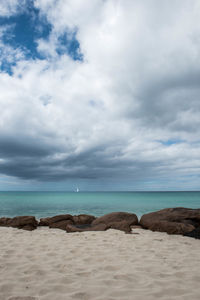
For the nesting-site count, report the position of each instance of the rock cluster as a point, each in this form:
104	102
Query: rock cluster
116	220
61	221
177	220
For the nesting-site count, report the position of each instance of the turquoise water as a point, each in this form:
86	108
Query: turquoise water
42	204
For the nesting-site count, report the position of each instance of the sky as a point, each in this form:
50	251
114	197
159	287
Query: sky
99	94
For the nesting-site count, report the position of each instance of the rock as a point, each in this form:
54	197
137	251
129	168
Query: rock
177	220
28	227
116	220
23	222
59	221
130	219
4	221
44	222
171	227
123	226
194	233
72	228
76	228
83	219
61	224
100	227
59	218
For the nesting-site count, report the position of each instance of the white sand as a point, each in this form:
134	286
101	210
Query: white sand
51	264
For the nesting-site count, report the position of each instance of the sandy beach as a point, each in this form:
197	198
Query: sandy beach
55	265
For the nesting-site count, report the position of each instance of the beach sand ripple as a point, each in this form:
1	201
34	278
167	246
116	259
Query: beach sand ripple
50	264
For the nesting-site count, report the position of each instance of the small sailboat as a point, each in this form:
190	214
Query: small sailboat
77	189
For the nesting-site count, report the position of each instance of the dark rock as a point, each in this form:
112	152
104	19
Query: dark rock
123	226
130	219
60	218
60	221
177	220
21	222
73	228
116	220
28	227
4	221
170	227
44	222
83	219
76	228
99	227
194	233
61	224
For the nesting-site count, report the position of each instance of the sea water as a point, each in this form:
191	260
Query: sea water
45	204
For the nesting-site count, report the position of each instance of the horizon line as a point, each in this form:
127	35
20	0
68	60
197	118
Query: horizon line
103	191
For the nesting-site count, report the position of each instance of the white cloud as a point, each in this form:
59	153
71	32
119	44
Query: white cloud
137	85
10	7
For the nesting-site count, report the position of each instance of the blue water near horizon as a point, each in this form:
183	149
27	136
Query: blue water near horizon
45	204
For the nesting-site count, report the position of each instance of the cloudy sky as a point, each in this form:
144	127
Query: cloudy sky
100	94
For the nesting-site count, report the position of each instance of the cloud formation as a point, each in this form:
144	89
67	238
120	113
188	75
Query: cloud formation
126	107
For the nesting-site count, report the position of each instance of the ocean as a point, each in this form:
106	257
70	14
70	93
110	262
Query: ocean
45	204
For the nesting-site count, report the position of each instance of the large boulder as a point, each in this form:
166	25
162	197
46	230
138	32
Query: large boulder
130	219
177	220
116	220
59	218
61	224
21	222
